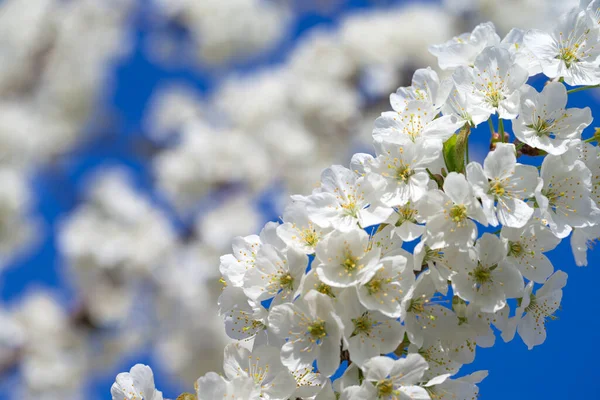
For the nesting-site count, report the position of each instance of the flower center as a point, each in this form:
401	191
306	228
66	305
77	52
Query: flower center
350	263
481	275
493	94
543	127
458	213
515	249
350	206
417	305
432	255
385	388
286	281
362	324
310	237
403	173
406	214
553	196
325	289
569	55
539	309
497	189
317	330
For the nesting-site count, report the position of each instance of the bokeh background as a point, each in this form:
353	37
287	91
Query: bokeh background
137	137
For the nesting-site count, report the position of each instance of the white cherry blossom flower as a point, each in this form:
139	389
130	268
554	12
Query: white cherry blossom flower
493	83
368	333
463	388
585	238
438	358
526	248
346	259
344	200
298	231
264	366
424	316
403	167
213	386
441	262
464	49
244	318
582	240
449	212
312	385
492	281
387	288
137	384
388	379
471	329
513	41
426	86
313	332
312	281
234	266
465	107
415	121
531	315
275	274
563	196
502	184
406	221
590	155
545	122
570	51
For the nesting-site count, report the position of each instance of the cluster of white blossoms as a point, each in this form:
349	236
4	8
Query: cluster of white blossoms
396	269
50	82
222	30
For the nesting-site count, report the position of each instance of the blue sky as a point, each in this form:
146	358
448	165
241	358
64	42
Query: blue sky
563	368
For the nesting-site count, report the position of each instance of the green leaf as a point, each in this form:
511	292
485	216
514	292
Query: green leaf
461	145
452	164
455	148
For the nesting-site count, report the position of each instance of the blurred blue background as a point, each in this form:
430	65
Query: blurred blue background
563	368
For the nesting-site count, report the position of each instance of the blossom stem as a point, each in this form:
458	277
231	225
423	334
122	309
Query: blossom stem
579	89
491	123
518	146
501	129
590	140
467	150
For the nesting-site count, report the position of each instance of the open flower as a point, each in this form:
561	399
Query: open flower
404	169
345	200
276	274
494	82
313	332
502	184
563	196
264	366
346	259
368	333
415	121
544	121
387	288
464	49
426	86
534	309
526	247
570	51
298	231
137	384
492	280
448	213
389	379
